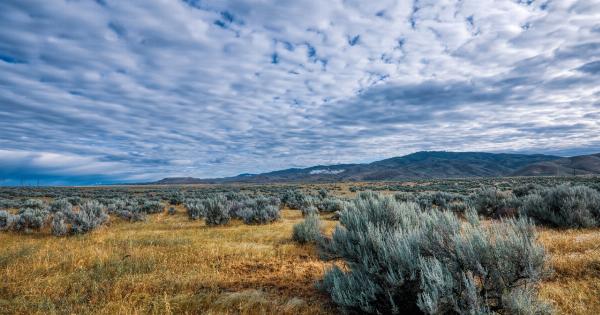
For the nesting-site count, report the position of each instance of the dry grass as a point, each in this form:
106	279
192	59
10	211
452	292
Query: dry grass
165	265
171	265
574	288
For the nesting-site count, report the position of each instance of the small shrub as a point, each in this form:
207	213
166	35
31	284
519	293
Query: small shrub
310	210
34	204
307	231
296	199
171	211
492	202
457	207
442	199
149	207
564	206
132	215
404	196
61	205
195	209
323	193
524	190
217	210
424	201
75	200
260	215
176	198
30	219
59	226
7	220
90	216
331	204
399	259
129	210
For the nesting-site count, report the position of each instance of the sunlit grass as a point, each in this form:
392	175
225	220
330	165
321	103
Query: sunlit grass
169	264
574	288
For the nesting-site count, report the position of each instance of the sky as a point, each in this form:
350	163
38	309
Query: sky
131	91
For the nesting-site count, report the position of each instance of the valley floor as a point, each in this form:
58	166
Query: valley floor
172	265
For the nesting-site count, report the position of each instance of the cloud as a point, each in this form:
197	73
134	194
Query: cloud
30	167
131	90
591	67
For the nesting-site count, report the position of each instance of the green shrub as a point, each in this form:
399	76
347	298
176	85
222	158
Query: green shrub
195	209
260	214
176	198
457	207
404	196
149	206
399	259
217	210
330	204
526	189
564	206
310	210
307	231
34	204
492	202
7	220
30	219
296	199
61	205
90	216
59	226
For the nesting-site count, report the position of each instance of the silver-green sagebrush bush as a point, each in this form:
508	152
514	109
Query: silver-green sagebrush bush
296	199
307	231
7	220
491	202
259	210
59	225
330	204
34	204
195	209
260	214
61	205
90	216
399	259
217	210
564	206
30	219
310	210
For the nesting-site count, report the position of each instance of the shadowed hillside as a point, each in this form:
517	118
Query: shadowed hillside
425	164
576	165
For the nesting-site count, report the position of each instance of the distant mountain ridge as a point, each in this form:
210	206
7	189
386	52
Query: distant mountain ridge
575	165
420	165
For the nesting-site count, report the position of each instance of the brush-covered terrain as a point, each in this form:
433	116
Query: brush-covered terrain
420	165
487	246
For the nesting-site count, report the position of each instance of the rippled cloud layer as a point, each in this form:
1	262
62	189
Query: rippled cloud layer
104	91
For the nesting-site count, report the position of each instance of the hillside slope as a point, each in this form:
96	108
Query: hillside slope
426	164
576	165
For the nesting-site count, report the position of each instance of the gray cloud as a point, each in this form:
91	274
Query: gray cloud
140	90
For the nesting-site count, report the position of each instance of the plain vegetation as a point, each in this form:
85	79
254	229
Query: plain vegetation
480	246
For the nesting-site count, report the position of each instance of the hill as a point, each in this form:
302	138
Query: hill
419	165
576	165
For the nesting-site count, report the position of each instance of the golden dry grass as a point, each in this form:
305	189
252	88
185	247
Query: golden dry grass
172	265
574	287
166	265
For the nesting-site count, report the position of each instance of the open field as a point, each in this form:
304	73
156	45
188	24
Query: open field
166	265
170	264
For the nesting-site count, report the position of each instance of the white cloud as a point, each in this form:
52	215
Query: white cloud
215	88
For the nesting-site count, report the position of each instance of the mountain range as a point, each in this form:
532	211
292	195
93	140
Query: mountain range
421	165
